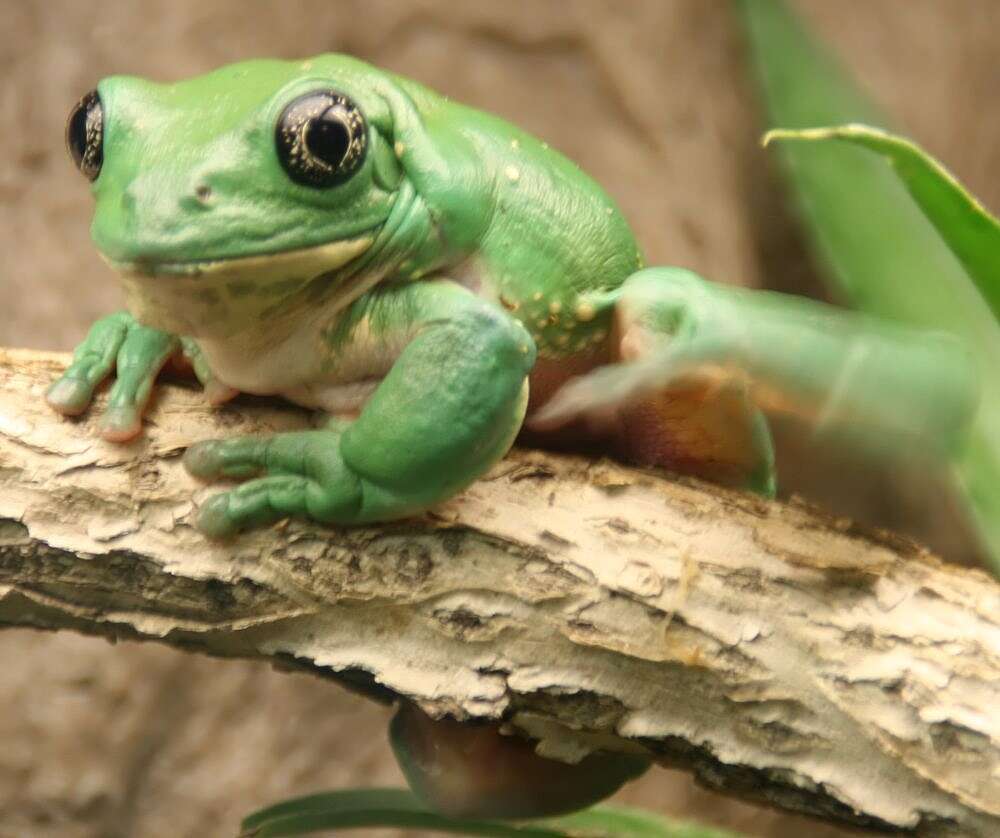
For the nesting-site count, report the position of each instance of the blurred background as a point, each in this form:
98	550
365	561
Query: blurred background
654	99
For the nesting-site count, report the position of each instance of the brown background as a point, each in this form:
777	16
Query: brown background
651	97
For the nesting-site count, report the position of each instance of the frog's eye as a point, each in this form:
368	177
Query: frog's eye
321	139
85	135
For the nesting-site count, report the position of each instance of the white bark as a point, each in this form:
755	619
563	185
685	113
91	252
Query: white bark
777	653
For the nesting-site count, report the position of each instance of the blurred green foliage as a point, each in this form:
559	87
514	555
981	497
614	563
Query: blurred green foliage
400	808
900	238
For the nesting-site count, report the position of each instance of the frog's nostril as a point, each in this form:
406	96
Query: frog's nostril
198	199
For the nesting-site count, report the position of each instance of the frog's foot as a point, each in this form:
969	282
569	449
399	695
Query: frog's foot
677	399
296	474
472	770
216	393
114	343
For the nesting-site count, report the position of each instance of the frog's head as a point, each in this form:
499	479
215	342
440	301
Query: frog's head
239	189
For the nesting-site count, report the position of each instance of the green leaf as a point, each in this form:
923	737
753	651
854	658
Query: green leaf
623	822
882	254
398	799
355	808
968	229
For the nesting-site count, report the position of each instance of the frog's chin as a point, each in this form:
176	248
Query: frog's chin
223	296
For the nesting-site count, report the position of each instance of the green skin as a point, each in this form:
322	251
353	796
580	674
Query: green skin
463	259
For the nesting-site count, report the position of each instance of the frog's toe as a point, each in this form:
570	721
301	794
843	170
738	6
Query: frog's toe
69	396
93	361
214	519
201	460
254	504
120	424
233	458
217	393
260	502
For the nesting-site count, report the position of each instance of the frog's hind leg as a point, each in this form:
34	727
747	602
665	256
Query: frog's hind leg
710	431
667	399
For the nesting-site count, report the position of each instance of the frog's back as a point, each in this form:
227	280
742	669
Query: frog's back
554	234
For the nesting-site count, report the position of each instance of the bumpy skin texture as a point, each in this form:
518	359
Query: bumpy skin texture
462	277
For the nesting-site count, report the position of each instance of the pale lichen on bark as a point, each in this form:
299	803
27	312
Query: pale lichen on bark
779	654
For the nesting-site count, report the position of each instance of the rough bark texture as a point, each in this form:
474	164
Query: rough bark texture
778	654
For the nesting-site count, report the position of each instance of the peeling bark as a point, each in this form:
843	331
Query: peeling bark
779	654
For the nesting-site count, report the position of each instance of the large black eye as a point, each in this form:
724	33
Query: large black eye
321	139
85	135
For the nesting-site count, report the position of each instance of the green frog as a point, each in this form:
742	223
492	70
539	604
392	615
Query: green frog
437	281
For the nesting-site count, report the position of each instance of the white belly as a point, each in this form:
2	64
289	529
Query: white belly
333	398
303	369
253	366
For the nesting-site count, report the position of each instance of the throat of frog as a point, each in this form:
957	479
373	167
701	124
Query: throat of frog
259	323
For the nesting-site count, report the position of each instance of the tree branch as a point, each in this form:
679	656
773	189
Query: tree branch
778	654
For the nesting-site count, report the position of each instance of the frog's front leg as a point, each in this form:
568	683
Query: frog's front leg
449	407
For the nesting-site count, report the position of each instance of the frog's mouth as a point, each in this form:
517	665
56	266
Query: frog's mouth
221	297
305	261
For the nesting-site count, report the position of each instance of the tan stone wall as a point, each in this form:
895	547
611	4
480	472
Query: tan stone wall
650	97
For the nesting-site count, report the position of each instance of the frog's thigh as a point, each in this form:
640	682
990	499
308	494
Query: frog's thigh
450	406
701	426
